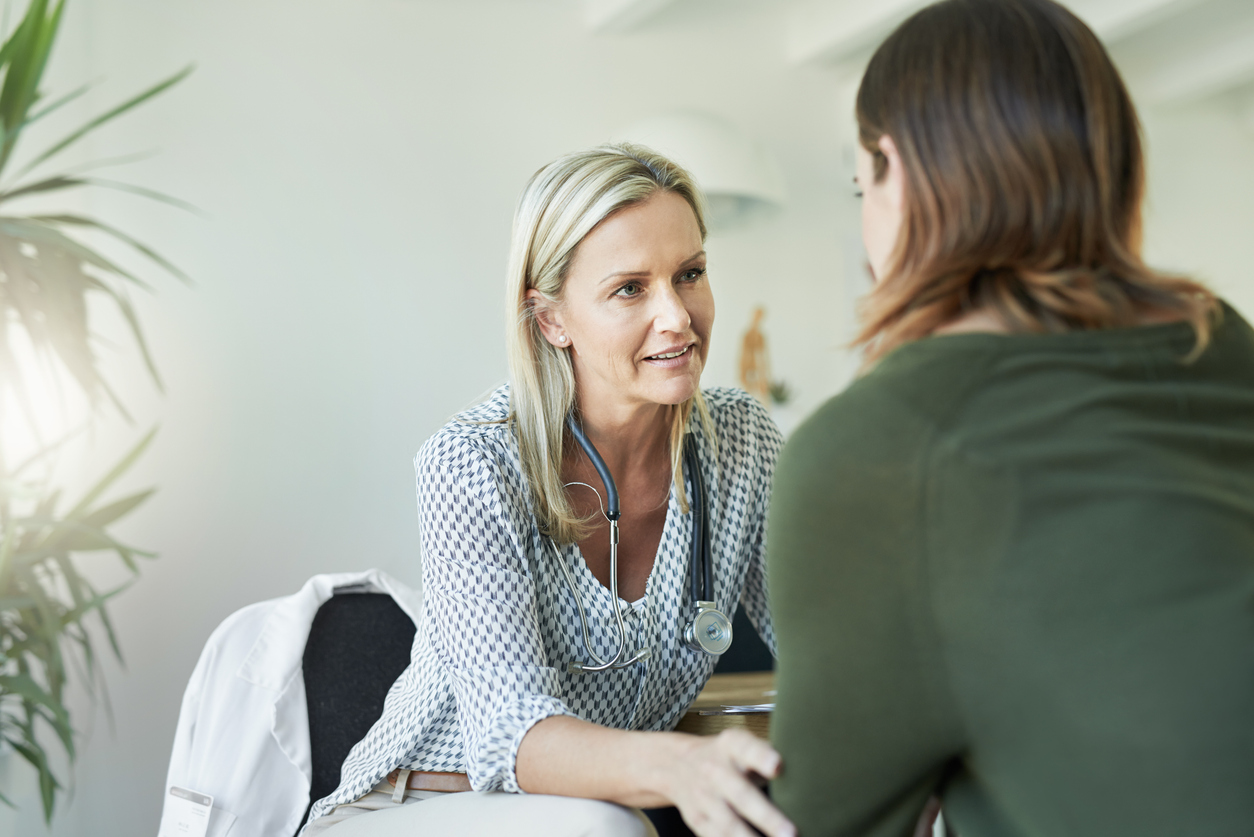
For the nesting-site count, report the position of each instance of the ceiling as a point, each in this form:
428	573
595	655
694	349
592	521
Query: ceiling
1170	51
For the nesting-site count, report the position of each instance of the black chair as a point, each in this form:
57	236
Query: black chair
358	645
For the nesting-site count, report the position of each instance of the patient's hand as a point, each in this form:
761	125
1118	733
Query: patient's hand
716	789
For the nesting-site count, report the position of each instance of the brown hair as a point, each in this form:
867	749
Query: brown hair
1024	176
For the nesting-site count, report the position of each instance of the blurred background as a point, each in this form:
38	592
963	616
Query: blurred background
356	164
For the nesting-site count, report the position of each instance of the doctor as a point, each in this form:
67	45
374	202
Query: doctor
498	725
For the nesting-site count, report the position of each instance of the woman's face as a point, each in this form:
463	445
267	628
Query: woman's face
636	310
881	205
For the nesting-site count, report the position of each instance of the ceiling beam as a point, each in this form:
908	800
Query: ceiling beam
833	31
1247	112
1116	20
1218	69
620	15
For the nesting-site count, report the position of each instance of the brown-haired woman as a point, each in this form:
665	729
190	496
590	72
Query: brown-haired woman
1013	564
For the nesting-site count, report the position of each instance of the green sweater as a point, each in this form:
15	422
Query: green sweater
1018	572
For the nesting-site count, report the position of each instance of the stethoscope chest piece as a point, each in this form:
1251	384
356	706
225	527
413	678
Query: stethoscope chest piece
709	631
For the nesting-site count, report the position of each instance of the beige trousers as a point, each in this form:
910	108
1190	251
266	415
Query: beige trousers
479	815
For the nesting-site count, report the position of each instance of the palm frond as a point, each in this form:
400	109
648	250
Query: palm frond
103	118
114	232
51	615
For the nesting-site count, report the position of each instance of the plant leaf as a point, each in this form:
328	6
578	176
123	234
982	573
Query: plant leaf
105	515
43	234
111	477
33	41
10	44
105	162
128	311
25	687
48	784
151	194
50	184
80	221
92	124
60	327
64	181
66	536
108	625
18	49
15	602
59	103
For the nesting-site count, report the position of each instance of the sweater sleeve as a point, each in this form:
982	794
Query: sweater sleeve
865	722
480	600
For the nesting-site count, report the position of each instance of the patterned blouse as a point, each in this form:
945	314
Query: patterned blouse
499	623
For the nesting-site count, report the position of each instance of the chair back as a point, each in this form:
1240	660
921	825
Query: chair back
358	645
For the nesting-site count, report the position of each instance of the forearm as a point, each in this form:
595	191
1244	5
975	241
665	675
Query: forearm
569	757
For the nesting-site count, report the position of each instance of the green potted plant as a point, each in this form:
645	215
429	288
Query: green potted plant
51	615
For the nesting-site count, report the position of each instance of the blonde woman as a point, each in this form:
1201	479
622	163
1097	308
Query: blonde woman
492	730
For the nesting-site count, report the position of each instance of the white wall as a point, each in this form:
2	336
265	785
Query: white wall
357	161
1200	208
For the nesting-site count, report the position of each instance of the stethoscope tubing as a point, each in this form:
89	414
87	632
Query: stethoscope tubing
702	571
613	662
583	622
612	513
612	509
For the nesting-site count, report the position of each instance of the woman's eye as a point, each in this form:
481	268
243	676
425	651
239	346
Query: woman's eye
629	290
694	274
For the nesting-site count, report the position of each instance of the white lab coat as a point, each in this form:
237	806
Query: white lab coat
243	730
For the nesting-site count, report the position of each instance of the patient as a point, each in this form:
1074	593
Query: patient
1013	564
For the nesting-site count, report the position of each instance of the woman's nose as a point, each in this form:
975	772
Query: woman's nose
671	314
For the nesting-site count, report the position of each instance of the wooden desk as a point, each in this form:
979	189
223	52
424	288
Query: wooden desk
732	690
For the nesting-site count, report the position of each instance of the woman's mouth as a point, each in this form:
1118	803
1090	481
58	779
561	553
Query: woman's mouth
676	357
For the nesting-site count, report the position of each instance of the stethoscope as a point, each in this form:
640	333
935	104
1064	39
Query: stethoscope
709	630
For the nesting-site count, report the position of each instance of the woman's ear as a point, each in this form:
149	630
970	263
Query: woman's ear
894	175
548	318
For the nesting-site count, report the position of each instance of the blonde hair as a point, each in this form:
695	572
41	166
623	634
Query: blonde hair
1024	173
560	205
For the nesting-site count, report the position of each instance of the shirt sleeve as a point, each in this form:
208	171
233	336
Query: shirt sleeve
481	605
865	722
766	442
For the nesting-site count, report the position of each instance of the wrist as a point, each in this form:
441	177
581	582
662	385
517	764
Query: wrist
667	758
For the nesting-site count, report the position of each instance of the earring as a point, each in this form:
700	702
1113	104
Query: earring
562	339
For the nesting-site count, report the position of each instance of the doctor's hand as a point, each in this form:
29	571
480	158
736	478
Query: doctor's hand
715	788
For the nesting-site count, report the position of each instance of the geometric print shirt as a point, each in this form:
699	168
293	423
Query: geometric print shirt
499	623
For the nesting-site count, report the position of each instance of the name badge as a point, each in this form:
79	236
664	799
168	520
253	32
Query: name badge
186	813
